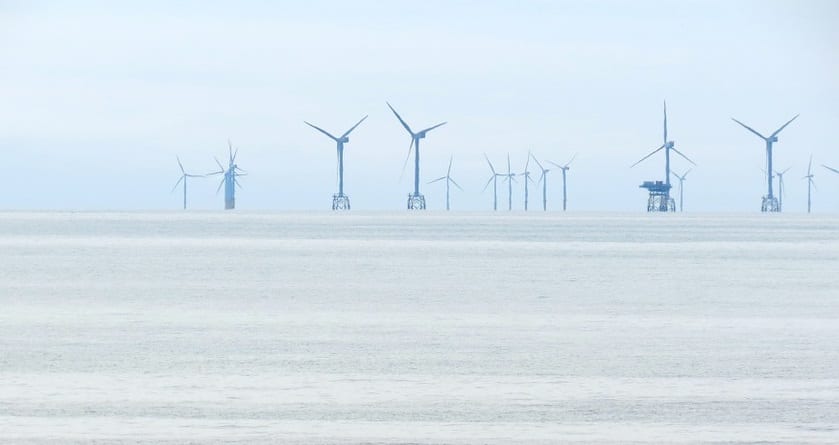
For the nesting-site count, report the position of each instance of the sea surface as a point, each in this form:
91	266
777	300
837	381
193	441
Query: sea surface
385	328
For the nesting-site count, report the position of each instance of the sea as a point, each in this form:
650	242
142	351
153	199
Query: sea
418	328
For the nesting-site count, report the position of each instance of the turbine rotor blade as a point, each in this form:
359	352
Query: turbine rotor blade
784	126
491	178
682	155
537	163
831	169
810	166
221	167
353	127
645	157
180	165
455	184
322	130
750	129
404	124
490	164
219	185
572	160
433	127
177	184
436	180
554	163
405	164
449	171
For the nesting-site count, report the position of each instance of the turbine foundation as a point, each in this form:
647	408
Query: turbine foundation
340	202
770	204
659	200
416	201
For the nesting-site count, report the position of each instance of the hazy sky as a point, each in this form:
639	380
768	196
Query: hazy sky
97	98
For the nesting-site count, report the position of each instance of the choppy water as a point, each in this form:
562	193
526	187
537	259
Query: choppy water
397	328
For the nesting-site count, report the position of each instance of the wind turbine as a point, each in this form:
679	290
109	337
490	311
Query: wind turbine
494	180
660	200
340	201
781	192
810	184
229	180
526	174
183	177
682	179
415	200
449	181
543	179
509	177
769	203
564	169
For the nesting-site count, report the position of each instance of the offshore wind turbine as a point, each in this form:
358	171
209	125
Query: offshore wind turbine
526	174
810	184
509	177
494	180
781	191
543	179
660	200
340	201
184	176
770	202
449	181
682	179
415	200
564	169
229	180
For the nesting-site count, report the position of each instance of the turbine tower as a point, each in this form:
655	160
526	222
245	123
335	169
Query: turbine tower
229	180
770	202
340	201
494	180
681	179
810	184
543	179
416	201
184	176
564	169
526	174
660	200
781	192
449	181
509	177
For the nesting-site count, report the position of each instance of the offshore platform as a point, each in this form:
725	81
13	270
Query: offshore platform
659	191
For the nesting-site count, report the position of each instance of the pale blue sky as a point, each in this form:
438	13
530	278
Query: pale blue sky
99	97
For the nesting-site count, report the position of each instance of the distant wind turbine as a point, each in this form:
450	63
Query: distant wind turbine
340	201
543	179
449	180
769	203
810	184
526	174
509	177
415	200
781	192
494	180
682	180
564	169
229	180
184	176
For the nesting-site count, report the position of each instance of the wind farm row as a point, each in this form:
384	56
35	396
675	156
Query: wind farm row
660	198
